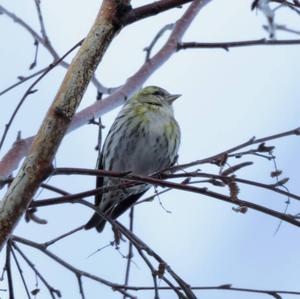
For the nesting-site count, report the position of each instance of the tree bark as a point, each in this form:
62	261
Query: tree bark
38	162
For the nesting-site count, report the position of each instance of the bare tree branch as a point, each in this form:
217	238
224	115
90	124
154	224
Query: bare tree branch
9	272
224	287
20	272
22	80
44	40
204	191
7	165
30	91
227	45
68	266
142	247
57	120
151	9
42	25
130	249
237	179
53	292
251	141
67	234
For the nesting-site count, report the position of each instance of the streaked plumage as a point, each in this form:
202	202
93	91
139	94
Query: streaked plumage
143	139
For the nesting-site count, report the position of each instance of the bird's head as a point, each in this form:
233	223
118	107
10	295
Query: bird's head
155	96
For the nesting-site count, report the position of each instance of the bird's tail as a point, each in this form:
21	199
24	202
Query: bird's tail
96	221
114	211
99	222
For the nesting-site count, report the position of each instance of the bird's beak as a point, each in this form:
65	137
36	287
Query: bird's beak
173	97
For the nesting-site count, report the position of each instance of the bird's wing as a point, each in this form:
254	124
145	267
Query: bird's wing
126	203
96	219
119	209
99	180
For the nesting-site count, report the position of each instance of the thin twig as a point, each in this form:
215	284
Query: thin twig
142	247
71	198
68	266
52	291
28	28
237	179
67	234
47	45
130	249
227	45
152	197
225	287
286	29
204	191
236	148
288	3
33	64
42	24
22	80
30	90
152	269
160	33
54	189
21	273
9	272
81	291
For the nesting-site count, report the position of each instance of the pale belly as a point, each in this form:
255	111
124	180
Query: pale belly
143	151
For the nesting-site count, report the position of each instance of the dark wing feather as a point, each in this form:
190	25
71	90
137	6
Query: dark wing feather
99	180
96	219
126	203
119	209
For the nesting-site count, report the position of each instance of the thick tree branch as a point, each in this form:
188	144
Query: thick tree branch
57	120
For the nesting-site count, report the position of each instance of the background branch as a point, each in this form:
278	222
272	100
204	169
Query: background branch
44	40
227	45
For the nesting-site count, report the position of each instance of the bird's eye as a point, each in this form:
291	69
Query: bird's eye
158	93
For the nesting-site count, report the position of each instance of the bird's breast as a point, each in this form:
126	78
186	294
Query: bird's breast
145	144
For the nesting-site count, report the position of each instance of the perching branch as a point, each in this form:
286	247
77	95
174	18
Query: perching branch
162	183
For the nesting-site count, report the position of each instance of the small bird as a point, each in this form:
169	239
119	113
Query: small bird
144	140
